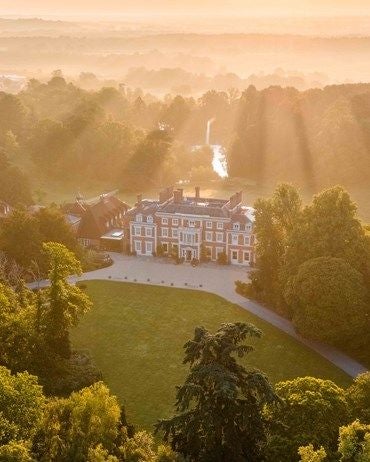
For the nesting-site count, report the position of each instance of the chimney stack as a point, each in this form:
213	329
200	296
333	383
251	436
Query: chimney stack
178	196
236	199
197	192
165	195
139	199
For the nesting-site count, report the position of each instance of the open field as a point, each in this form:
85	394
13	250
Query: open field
135	334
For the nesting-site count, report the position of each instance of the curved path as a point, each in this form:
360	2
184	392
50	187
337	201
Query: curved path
210	278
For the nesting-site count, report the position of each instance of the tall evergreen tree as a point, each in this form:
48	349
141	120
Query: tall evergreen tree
219	407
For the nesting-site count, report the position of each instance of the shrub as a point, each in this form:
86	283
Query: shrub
160	250
243	288
222	258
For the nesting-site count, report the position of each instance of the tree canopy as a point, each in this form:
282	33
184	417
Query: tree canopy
219	406
311	412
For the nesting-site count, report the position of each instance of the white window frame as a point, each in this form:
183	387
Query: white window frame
219	237
164	232
247	240
137	246
191	223
148	247
137	230
209	224
236	226
175	233
234	239
220	225
209	236
247	252
232	255
165	246
149	219
164	221
139	217
175	222
148	232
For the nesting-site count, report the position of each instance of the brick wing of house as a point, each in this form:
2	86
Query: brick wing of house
188	226
98	222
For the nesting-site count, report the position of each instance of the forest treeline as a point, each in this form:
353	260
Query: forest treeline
313	266
132	140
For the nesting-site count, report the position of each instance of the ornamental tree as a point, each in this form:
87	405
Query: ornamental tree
219	407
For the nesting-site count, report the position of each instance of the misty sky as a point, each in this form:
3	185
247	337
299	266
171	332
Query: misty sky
122	7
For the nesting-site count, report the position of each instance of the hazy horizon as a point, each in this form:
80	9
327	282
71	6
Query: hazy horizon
190	7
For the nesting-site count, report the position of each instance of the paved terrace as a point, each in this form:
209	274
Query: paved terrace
210	278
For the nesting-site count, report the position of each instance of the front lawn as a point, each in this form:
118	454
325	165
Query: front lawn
135	334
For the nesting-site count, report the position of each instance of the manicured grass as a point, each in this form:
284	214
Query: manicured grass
136	334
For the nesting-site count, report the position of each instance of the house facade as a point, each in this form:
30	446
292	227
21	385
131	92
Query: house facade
191	227
188	227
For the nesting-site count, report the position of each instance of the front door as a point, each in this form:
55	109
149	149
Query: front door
234	256
188	254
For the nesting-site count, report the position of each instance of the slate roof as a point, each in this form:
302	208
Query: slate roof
207	207
190	207
94	215
146	207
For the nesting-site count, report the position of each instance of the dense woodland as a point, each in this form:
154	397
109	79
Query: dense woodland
131	140
313	266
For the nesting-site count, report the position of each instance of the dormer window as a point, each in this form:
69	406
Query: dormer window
236	226
139	217
149	219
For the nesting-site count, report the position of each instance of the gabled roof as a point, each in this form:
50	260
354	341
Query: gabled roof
243	215
145	207
94	214
77	208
